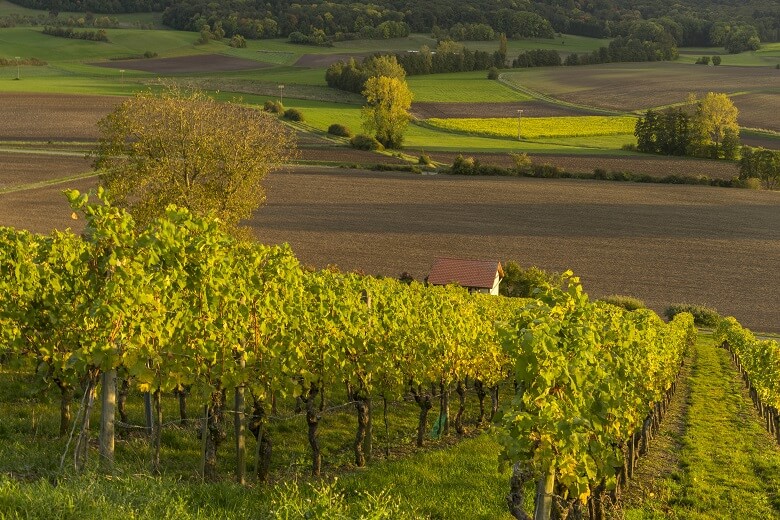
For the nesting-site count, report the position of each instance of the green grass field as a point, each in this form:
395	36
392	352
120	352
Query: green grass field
464	87
70	70
129	20
767	55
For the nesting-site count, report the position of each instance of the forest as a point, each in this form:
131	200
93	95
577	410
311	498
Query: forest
731	23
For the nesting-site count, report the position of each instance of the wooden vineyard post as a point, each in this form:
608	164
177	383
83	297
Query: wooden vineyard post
204	432
240	437
368	443
148	414
107	416
544	494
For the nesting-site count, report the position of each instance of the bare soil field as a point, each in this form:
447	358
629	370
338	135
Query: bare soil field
638	86
661	243
655	165
52	117
425	110
17	169
760	140
42	210
760	110
181	64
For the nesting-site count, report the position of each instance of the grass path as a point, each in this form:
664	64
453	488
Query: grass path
712	458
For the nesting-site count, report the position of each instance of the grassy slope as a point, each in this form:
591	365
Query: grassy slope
69	72
767	55
458	482
461	480
727	465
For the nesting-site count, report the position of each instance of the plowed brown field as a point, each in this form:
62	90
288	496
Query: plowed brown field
52	117
639	86
18	169
425	110
714	246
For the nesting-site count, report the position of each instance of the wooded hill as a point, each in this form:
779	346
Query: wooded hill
690	22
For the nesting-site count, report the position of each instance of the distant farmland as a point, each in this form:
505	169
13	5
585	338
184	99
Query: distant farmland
661	243
639	86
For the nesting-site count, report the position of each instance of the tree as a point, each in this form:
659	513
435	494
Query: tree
521	283
187	149
386	113
760	164
714	121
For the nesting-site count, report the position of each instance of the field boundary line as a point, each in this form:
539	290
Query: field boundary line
32	151
543	97
47	183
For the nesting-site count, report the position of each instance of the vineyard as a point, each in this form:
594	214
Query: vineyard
180	306
539	127
759	363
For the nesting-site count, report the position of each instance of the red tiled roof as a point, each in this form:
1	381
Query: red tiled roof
466	273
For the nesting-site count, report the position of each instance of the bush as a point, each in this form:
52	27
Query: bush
425	160
521	283
339	130
547	171
274	107
704	60
238	42
492	73
716	60
365	142
293	114
150	54
752	183
523	162
702	316
628	303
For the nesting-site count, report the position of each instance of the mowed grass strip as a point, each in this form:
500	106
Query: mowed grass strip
728	466
461	87
540	127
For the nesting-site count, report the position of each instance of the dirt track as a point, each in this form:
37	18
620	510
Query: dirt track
182	64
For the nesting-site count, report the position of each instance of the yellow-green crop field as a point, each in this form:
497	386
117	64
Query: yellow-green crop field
539	127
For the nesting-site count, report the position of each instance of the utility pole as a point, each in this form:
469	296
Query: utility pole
17	68
281	95
519	117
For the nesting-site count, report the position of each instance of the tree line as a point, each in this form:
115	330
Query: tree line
66	32
703	128
736	25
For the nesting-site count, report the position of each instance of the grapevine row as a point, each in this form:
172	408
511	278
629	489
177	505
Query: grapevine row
588	375
182	306
758	361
